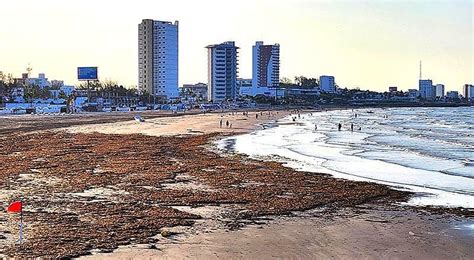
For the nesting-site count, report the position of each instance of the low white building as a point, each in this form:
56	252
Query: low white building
452	94
244	87
413	93
198	89
41	81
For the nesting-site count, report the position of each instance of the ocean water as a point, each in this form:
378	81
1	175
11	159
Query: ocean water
426	150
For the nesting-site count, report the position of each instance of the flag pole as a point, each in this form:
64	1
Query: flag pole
20	240
20	235
15	207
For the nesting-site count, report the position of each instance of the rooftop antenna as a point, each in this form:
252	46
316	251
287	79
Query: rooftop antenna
29	69
420	70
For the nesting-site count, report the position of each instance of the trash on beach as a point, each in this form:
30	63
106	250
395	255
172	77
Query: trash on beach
139	119
165	233
190	130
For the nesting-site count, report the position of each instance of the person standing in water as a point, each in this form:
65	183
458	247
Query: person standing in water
315	127
339	126
352	127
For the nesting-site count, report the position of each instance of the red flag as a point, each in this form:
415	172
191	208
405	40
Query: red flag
15	206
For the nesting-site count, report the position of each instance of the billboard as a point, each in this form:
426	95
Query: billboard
87	73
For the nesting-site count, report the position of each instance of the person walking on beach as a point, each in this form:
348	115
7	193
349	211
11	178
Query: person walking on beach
220	124
256	116
339	126
227	123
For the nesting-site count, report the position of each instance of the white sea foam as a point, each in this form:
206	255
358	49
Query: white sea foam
426	150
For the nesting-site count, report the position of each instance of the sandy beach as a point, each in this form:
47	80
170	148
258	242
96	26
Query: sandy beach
158	189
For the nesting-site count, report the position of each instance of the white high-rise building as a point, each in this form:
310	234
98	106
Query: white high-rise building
222	71
439	90
468	91
426	88
327	84
158	58
265	68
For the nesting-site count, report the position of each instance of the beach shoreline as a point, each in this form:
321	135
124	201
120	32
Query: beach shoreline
249	240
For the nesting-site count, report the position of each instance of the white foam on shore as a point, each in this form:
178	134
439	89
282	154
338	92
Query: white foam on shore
361	155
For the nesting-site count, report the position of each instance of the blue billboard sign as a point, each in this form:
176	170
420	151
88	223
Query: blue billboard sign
87	73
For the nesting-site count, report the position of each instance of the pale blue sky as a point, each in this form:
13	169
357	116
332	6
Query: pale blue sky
369	44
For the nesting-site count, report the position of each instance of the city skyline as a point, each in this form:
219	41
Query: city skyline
371	45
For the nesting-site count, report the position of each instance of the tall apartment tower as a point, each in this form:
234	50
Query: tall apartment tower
158	58
426	88
222	71
265	67
468	91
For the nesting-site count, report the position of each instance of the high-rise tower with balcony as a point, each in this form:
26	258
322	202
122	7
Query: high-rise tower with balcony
158	58
222	71
265	68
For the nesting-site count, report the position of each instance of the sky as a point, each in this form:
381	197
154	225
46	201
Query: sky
365	44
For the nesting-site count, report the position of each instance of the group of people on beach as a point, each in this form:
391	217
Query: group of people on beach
339	127
227	124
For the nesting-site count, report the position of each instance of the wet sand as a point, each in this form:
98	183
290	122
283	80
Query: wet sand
128	188
376	233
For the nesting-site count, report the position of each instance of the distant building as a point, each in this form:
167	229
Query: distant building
439	90
244	87
222	71
68	90
295	92
413	93
41	81
57	83
265	67
452	94
18	92
426	88
158	58
54	93
326	84
86	93
199	90
392	89
468	91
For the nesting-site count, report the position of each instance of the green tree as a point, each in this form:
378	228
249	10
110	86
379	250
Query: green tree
62	95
